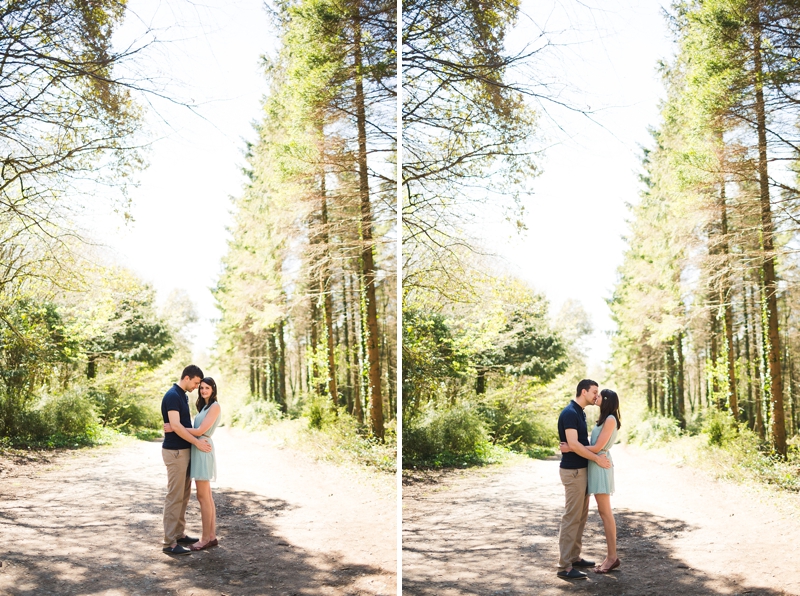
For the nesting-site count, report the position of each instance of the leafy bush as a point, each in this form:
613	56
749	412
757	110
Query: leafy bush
320	412
720	427
256	415
443	434
517	427
120	408
71	414
343	438
653	430
60	421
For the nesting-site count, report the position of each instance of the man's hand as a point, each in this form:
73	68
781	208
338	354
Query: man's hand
205	447
564	447
167	427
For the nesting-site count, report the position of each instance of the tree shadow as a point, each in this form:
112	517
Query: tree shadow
110	543
487	542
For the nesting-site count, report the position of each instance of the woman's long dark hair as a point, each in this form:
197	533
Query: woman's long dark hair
609	406
201	403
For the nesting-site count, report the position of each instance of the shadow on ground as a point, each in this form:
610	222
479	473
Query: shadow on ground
78	542
493	544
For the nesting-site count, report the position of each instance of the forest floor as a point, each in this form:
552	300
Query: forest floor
90	522
494	530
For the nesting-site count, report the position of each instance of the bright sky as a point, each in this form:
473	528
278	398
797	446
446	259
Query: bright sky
212	58
577	215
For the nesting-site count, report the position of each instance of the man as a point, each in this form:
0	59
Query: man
572	430
176	452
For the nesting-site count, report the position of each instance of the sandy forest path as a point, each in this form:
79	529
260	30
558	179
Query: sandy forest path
494	531
89	522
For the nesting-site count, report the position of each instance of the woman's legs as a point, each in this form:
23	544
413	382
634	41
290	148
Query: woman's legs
610	527
208	511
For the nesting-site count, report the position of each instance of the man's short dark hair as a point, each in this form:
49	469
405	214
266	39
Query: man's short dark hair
192	371
585	385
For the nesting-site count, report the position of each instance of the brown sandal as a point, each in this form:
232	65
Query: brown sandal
208	544
614	565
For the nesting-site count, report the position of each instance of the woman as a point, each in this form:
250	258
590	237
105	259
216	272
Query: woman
601	481
203	466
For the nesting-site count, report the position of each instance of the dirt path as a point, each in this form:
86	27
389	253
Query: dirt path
90	523
495	531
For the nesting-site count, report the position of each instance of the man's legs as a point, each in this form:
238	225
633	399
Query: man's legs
187	492
178	491
573	521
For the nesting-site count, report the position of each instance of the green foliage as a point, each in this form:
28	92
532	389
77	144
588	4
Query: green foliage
654	430
319	411
458	433
70	415
720	427
431	354
67	420
518	426
33	342
121	407
257	415
344	439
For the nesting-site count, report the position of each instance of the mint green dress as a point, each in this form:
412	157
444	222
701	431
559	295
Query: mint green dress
203	466
600	480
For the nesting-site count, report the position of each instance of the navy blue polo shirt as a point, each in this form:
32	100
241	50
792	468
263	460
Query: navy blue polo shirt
573	416
176	399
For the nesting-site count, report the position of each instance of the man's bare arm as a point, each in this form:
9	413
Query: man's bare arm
175	422
576	447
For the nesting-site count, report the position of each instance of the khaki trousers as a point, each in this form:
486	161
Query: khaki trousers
179	488
576	510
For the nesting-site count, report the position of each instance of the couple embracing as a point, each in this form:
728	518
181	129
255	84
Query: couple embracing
586	469
188	452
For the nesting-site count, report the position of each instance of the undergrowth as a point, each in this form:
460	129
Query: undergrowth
727	450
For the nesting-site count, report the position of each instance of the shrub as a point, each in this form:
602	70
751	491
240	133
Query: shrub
256	415
459	431
517	427
720	427
653	430
123	409
71	414
344	439
319	411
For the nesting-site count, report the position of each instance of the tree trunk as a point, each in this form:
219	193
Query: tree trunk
251	362
91	367
480	382
714	355
367	262
358	407
727	301
325	290
680	389
750	419
768	267
282	368
348	368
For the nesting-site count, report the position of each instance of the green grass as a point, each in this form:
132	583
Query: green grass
341	441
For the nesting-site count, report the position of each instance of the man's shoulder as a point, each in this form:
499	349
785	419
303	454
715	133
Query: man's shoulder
172	393
569	416
568	410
